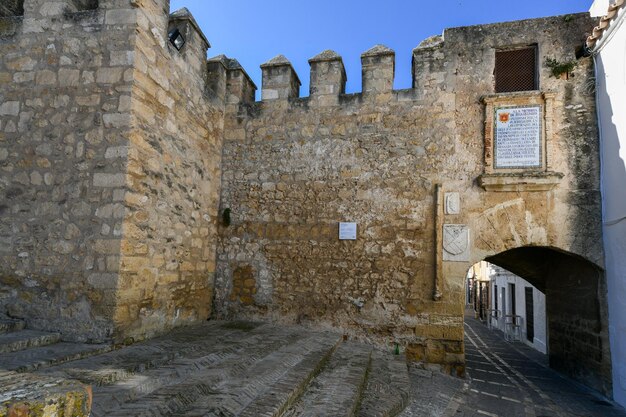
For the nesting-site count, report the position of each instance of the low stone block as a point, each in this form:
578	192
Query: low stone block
26	395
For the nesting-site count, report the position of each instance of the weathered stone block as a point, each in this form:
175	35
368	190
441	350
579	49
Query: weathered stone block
45	77
120	17
122	58
106	246
114	120
69	77
10	108
27	395
109	180
109	75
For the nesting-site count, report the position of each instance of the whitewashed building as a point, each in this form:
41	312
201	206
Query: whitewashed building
497	295
608	47
511	296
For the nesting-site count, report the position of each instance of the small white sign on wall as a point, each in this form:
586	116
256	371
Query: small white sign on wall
347	231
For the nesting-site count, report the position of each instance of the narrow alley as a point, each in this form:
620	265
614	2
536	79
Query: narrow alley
512	380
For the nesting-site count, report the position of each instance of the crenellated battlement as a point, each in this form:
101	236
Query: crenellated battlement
226	81
281	83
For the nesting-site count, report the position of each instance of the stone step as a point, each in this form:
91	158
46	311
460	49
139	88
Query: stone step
122	364
42	357
386	393
200	345
223	382
169	383
270	385
282	394
114	366
336	391
11	325
32	395
26	339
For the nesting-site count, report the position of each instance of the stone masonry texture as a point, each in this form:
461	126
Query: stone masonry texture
109	157
65	105
293	168
119	154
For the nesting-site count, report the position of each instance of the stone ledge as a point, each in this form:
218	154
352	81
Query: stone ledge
35	396
527	181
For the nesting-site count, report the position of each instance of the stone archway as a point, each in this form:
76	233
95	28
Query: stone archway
577	318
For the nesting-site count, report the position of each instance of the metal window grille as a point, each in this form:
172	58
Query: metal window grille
516	70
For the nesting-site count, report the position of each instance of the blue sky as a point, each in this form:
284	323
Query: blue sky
254	31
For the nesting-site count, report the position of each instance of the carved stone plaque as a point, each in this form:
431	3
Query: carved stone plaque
456	244
517	137
453	203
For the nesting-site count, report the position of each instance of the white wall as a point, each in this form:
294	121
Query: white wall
600	7
502	278
611	92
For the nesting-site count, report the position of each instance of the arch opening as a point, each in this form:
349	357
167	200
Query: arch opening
576	316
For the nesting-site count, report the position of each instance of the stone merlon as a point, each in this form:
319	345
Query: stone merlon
238	87
378	67
328	74
280	80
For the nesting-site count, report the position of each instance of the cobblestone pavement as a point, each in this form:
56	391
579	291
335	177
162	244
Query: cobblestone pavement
506	380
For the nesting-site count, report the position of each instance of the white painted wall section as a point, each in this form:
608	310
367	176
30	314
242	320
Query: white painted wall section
503	279
599	7
610	58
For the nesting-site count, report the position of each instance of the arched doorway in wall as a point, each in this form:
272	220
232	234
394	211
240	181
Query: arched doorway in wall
576	317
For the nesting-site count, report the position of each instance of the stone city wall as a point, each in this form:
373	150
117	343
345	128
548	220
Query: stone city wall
65	94
109	169
296	167
111	157
174	153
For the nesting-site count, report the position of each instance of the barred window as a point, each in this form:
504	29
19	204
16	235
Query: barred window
516	70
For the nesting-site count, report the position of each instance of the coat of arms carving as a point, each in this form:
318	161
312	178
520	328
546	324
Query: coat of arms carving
455	242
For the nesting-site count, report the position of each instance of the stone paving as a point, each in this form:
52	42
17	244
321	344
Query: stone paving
223	369
254	369
339	389
505	380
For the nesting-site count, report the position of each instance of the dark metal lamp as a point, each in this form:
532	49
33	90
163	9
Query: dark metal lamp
176	39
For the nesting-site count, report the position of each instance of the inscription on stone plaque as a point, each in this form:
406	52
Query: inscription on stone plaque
456	243
518	137
347	231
